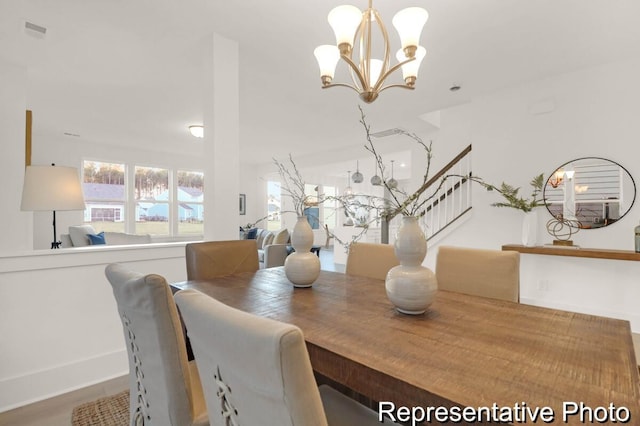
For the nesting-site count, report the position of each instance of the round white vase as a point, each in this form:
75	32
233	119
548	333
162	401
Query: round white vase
410	286
302	267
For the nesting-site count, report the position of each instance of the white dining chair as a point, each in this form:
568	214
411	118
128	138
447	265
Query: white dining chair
370	260
479	272
164	388
212	259
257	371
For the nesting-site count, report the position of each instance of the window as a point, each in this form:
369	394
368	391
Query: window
150	200
105	196
190	202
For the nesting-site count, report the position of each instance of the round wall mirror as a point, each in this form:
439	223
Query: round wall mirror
594	192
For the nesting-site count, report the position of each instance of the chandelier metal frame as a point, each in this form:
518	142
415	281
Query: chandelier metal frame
366	85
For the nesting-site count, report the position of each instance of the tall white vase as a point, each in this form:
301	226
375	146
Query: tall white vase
302	267
410	286
530	228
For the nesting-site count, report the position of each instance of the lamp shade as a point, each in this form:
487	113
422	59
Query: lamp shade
48	188
409	23
345	21
410	69
327	57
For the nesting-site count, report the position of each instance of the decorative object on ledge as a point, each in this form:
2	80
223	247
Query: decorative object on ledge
410	286
562	230
528	205
353	27
593	191
50	188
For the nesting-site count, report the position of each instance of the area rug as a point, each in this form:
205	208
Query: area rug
108	411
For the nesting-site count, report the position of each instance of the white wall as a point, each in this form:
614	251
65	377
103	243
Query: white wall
594	114
15	226
60	327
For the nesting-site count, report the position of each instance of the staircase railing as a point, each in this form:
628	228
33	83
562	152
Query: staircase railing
451	197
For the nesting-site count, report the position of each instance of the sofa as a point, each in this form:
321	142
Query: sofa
273	247
85	235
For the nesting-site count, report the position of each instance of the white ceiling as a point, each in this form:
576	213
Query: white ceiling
128	72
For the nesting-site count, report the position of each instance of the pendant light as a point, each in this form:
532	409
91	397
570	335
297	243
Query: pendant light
392	183
375	179
357	176
347	190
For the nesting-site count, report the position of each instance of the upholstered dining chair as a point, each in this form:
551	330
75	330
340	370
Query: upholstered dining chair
256	370
164	388
479	272
370	260
212	259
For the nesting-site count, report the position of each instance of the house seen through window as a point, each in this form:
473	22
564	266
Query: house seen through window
142	199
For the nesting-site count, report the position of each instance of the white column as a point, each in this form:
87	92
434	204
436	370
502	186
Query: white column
15	226
221	139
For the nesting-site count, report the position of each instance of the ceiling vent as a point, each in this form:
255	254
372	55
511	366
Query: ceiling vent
35	28
388	132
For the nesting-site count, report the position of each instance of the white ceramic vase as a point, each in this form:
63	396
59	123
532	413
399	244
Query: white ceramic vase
530	228
302	267
410	286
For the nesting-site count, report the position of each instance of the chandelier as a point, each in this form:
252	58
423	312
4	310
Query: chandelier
368	74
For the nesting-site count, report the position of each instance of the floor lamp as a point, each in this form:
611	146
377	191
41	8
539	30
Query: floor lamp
51	188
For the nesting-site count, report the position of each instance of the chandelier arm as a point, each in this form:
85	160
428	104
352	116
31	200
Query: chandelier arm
355	69
341	85
403	86
391	70
385	62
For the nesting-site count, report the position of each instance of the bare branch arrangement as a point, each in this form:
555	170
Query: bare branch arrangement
401	202
293	185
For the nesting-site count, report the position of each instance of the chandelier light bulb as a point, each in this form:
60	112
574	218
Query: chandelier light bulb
345	21
410	69
327	57
409	23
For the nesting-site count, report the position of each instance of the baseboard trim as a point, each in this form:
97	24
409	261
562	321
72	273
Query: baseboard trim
36	386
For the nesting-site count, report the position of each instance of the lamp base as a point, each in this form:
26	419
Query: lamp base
56	244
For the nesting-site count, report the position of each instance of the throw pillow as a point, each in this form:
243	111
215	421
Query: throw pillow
97	239
78	235
252	234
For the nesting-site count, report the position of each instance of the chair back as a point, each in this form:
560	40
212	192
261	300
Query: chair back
254	370
160	383
479	272
371	260
218	258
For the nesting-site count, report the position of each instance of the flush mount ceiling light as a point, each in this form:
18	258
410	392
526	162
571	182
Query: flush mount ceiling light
350	25
197	131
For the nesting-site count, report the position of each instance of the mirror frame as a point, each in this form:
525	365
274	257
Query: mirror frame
635	189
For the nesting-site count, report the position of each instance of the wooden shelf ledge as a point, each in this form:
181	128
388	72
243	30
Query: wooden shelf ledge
575	252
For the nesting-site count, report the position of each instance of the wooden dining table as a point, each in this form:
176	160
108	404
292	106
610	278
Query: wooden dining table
465	351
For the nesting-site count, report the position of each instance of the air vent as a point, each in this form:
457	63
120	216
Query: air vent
388	132
33	27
